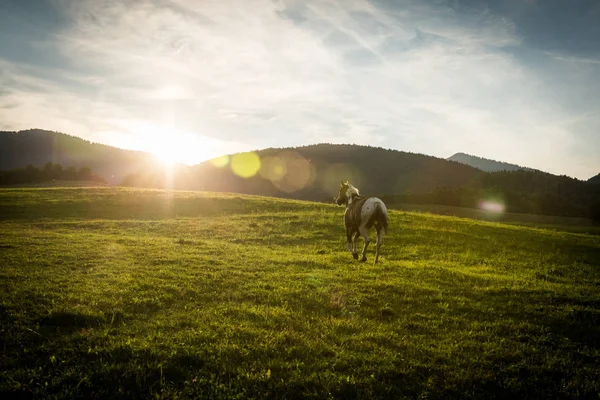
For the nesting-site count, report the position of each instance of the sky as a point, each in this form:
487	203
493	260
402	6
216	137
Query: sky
511	80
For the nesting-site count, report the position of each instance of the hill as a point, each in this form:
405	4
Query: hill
38	147
532	192
132	293
310	172
485	164
595	179
314	172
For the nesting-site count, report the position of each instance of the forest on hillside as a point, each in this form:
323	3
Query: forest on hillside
314	172
595	180
530	192
50	172
38	147
307	173
397	177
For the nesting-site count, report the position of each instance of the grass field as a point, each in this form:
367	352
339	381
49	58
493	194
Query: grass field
122	293
570	224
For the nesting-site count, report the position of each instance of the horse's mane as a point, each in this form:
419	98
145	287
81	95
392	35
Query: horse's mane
352	191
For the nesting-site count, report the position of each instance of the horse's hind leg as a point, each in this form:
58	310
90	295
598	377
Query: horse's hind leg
354	243
379	241
365	234
349	239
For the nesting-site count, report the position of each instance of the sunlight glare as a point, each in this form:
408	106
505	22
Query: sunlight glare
492	206
171	92
172	146
220	162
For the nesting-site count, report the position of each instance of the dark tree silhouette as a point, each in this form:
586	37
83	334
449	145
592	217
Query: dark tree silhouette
595	211
395	176
51	172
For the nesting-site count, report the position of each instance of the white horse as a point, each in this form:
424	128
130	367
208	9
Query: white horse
362	213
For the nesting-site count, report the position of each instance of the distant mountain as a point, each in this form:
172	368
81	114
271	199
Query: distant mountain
38	147
485	164
314	172
595	180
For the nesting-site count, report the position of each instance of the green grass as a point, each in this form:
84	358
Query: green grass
564	223
118	293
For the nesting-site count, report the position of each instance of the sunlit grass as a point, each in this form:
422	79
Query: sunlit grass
135	293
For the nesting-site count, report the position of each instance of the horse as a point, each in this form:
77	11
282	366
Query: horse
362	213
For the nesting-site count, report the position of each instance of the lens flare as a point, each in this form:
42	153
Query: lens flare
330	180
273	168
300	173
492	206
245	165
220	162
288	171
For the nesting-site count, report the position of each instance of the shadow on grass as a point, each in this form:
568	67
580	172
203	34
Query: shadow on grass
71	320
536	343
89	204
63	322
220	377
572	312
580	322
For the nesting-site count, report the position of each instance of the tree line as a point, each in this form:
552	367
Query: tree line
531	192
50	172
399	177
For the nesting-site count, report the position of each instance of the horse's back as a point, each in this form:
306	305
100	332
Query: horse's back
374	211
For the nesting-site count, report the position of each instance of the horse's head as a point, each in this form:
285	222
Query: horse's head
346	192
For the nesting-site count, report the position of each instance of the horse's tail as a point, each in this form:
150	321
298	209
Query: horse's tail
381	215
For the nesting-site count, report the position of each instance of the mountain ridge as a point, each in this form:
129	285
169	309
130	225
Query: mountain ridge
594	180
38	147
486	164
313	172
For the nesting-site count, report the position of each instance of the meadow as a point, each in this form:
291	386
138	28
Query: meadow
133	293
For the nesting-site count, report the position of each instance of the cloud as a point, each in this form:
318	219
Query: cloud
435	78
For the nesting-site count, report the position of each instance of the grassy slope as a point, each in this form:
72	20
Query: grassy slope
137	293
584	225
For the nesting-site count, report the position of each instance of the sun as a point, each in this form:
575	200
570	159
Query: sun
167	154
173	146
167	148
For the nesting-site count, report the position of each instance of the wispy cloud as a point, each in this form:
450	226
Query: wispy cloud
424	77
